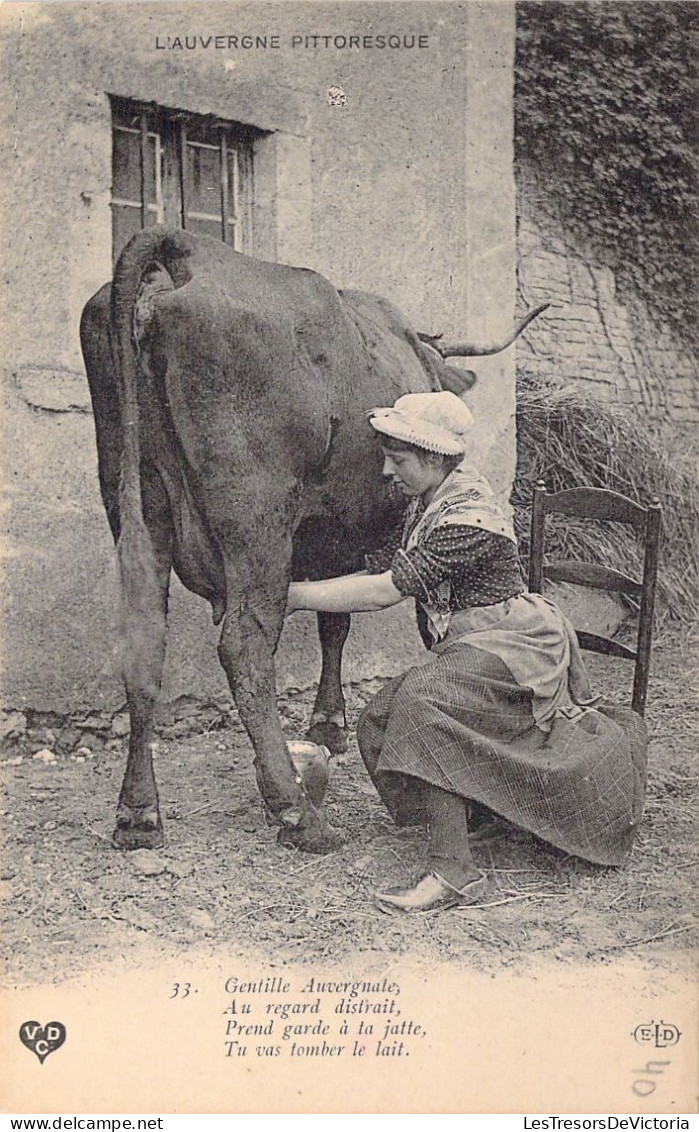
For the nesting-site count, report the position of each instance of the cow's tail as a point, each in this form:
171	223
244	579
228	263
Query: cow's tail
143	598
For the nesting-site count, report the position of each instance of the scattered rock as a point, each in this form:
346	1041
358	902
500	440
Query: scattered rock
16	761
114	746
95	723
13	725
199	918
94	743
138	918
68	739
180	868
183	706
83	753
372	686
121	725
46	756
147	862
181	729
39	738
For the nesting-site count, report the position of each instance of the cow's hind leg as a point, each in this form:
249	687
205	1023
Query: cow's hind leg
328	721
145	570
256	598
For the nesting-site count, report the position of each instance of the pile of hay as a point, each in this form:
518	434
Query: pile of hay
568	439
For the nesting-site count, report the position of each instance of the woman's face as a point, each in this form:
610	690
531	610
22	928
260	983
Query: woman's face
413	473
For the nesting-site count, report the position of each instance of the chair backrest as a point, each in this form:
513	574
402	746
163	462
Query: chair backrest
598	503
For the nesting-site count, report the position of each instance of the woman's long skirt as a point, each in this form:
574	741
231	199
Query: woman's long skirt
462	723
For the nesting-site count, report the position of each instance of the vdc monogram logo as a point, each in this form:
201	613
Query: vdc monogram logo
42	1040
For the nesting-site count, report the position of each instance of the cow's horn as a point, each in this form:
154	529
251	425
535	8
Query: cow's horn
474	350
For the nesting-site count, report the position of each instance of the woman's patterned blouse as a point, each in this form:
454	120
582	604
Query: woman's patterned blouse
483	567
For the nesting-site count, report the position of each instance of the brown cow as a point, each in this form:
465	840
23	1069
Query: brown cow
230	399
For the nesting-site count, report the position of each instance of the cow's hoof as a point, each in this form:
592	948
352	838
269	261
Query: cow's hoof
315	837
138	829
330	735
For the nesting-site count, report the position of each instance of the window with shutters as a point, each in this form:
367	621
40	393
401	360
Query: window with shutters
186	170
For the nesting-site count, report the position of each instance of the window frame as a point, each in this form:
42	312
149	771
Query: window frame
177	136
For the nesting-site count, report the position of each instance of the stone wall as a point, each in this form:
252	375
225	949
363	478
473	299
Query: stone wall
611	346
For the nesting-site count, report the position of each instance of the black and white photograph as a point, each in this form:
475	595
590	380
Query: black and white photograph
348	708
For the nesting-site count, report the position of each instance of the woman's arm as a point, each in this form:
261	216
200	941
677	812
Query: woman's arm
354	593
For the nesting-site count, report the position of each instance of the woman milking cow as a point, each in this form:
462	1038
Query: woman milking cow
499	720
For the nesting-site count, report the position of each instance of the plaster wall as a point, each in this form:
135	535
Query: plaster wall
407	189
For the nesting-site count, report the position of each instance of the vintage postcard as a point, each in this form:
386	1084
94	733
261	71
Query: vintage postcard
274	272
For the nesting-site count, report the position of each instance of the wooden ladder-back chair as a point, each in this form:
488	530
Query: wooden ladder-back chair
598	503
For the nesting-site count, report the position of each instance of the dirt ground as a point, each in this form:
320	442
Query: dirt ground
70	901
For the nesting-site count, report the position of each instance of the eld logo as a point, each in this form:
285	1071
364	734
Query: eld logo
42	1040
661	1034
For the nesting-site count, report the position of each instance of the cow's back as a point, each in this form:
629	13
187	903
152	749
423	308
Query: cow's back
272	373
254	372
